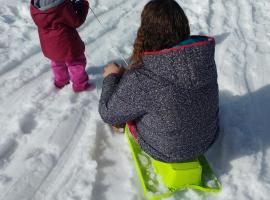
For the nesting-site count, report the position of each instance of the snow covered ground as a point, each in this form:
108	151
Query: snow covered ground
53	144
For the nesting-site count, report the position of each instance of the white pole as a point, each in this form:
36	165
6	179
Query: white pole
115	49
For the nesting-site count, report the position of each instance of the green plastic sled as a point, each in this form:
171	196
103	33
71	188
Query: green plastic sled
160	180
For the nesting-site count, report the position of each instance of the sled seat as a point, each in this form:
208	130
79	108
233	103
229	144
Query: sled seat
176	175
161	180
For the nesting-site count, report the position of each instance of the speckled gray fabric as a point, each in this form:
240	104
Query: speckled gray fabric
173	99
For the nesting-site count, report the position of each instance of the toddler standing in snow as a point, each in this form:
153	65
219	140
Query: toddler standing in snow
57	21
171	90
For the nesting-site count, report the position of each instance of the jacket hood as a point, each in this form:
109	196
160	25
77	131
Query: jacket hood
187	66
44	5
49	17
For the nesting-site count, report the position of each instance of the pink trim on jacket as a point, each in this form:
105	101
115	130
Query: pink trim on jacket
210	39
132	129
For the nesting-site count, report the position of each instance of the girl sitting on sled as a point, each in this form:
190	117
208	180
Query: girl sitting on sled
170	91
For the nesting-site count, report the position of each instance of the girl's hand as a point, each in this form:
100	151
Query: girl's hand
113	69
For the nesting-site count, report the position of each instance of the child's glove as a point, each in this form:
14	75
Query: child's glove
78	5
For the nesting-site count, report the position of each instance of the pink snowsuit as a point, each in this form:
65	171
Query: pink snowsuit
74	70
57	21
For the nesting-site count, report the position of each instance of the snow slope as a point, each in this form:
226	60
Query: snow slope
53	144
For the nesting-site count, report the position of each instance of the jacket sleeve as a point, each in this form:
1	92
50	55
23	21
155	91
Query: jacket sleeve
75	18
121	99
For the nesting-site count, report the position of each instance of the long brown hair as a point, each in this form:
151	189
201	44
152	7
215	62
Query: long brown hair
163	25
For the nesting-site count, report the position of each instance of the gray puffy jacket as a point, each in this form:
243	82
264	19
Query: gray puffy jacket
173	99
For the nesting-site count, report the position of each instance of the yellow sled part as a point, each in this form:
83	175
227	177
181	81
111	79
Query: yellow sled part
160	180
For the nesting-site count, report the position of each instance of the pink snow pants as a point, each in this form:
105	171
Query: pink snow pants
75	70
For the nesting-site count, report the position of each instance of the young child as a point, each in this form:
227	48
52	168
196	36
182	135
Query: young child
170	91
57	21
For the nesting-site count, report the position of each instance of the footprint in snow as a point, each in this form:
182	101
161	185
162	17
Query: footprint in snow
28	123
7	148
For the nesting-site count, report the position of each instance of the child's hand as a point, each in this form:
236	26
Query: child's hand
113	69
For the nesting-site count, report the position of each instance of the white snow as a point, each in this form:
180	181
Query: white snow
53	144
